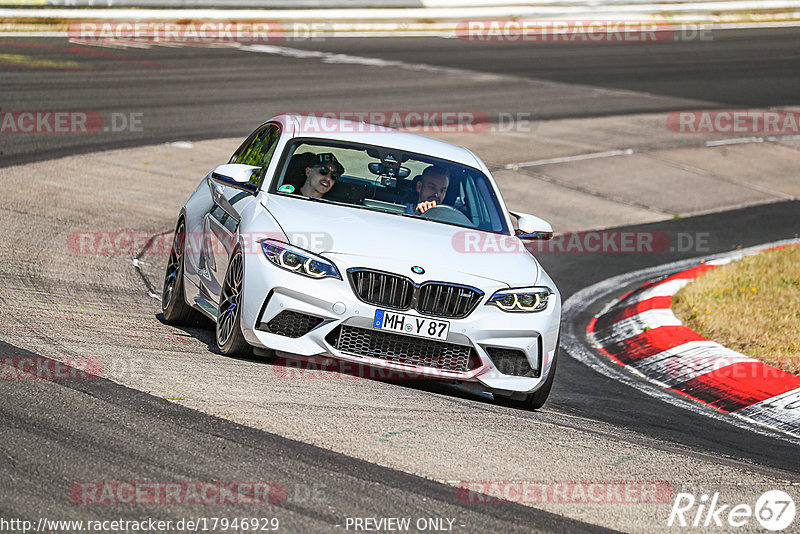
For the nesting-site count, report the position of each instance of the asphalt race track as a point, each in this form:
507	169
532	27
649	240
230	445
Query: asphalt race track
57	433
202	93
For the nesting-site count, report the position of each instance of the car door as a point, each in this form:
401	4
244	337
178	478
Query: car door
221	223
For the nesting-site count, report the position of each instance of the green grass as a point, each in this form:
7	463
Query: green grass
751	306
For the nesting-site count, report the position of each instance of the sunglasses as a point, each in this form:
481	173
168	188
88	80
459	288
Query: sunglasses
325	170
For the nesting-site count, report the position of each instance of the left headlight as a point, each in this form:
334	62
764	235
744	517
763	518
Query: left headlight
524	299
297	260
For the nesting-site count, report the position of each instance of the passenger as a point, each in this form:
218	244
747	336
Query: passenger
321	174
431	189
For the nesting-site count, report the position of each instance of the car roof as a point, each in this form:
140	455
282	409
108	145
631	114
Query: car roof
359	132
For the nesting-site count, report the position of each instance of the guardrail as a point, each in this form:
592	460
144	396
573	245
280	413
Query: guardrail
217	4
521	6
391	17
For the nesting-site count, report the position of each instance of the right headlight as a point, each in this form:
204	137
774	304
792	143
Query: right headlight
297	260
523	299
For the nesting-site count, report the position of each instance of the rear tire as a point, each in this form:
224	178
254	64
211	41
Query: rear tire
230	339
173	301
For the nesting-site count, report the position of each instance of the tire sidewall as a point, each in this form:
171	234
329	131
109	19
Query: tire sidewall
177	304
236	342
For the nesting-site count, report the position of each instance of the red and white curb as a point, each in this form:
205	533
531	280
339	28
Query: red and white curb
640	332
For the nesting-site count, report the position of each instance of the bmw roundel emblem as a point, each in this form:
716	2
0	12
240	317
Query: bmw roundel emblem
417	270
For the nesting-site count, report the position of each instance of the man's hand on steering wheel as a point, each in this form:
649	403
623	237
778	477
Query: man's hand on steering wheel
422	207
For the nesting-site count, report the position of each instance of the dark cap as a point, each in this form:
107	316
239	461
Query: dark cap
326	158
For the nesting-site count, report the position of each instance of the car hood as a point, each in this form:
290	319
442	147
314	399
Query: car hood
390	241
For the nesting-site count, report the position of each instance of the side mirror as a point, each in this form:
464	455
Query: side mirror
237	176
531	227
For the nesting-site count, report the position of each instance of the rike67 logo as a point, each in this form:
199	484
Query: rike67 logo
774	510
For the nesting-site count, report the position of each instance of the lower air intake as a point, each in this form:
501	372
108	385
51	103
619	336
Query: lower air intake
402	349
291	324
511	362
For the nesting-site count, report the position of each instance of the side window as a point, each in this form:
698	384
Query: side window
244	147
487	204
258	150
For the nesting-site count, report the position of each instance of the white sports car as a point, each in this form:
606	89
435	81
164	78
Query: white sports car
372	246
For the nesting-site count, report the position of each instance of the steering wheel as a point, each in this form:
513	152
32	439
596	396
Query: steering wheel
447	214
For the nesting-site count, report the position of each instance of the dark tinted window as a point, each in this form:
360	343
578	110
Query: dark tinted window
258	149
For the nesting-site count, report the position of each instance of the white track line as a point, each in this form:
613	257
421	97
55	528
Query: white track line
328	57
567	159
629	151
743	140
735	141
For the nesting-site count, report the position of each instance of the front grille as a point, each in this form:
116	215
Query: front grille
403	349
397	292
511	362
382	289
447	300
291	324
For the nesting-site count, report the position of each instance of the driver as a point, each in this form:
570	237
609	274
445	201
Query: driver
321	173
431	189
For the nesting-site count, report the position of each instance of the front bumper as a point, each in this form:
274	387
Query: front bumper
271	291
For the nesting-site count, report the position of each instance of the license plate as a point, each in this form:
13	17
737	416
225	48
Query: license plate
411	324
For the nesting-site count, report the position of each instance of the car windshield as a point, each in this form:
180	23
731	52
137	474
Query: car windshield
390	181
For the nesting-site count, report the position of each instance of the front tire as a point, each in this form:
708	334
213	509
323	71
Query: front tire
173	301
536	400
230	339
